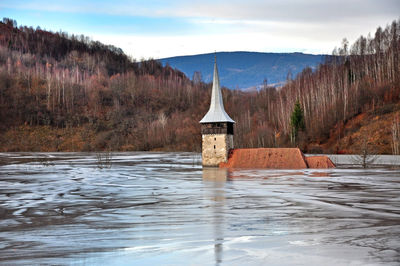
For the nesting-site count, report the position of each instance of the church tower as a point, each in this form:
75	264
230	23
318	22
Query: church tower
216	128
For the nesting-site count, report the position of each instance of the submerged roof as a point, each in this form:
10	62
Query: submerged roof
216	113
275	158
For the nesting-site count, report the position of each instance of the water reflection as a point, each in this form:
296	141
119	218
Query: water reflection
162	209
215	179
215	174
320	174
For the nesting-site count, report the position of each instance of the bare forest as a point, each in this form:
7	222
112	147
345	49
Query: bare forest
61	92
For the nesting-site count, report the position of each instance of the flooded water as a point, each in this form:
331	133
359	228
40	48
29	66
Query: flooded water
164	209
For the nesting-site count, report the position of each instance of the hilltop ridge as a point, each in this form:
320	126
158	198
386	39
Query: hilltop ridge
245	70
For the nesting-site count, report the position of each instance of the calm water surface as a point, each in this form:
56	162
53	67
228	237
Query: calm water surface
164	209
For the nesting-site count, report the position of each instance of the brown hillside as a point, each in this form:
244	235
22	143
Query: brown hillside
64	92
373	127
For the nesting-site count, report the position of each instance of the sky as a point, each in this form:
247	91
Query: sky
158	29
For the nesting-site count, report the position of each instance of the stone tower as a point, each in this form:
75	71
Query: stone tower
216	128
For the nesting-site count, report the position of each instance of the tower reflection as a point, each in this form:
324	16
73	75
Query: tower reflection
215	174
215	180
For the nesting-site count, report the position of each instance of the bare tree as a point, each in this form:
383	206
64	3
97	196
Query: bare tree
197	77
366	153
396	136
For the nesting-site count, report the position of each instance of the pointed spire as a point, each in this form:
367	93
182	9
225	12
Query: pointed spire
216	113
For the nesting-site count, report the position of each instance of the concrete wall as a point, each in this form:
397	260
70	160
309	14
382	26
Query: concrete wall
215	148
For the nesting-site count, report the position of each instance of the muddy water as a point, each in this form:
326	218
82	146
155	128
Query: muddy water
164	209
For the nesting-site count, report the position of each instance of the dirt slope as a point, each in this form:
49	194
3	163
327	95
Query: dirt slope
372	129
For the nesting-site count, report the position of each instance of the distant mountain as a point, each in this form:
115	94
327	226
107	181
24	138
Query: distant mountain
244	70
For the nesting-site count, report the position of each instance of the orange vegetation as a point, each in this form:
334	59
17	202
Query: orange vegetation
373	127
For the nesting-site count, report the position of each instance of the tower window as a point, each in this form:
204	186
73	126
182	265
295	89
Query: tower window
215	138
214	147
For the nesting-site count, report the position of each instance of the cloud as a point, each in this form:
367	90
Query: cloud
271	10
291	10
139	46
157	28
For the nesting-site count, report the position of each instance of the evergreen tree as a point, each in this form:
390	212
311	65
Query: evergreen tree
296	121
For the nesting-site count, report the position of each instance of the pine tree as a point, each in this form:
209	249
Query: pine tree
296	121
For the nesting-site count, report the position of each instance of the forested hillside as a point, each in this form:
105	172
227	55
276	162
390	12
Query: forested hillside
245	70
66	93
60	92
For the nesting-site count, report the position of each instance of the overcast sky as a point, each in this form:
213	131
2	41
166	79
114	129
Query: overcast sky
157	29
